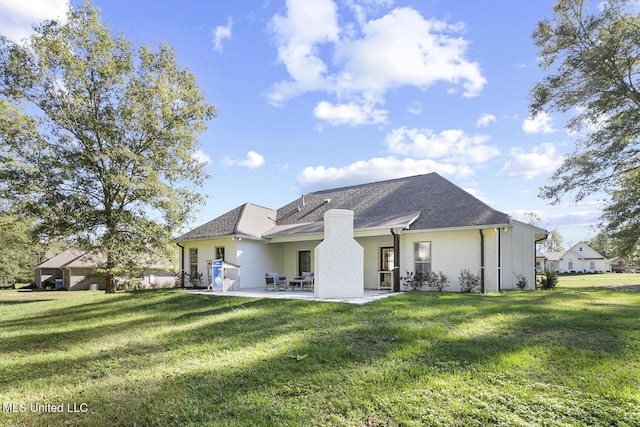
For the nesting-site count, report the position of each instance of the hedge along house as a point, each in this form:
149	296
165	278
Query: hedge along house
415	224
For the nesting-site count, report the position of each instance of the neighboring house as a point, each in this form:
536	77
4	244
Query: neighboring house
580	258
415	224
541	260
74	270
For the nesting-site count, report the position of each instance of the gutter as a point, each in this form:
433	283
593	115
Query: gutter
481	261
500	260
396	261
181	264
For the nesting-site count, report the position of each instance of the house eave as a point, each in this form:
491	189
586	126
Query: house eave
461	228
382	230
226	236
301	237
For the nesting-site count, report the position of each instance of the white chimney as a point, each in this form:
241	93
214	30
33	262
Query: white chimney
339	259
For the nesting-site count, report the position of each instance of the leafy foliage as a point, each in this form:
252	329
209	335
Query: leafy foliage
548	280
469	282
521	281
434	281
553	242
595	58
104	150
623	215
412	281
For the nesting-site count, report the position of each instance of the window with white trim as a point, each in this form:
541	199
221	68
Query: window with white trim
193	262
422	257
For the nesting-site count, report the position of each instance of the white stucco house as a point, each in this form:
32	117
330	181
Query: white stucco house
366	237
580	258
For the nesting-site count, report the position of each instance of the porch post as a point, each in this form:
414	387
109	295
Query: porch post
396	261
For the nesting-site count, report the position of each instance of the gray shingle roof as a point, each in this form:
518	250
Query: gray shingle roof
247	220
437	202
62	259
423	201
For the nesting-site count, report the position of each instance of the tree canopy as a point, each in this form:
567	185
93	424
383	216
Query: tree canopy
99	138
592	52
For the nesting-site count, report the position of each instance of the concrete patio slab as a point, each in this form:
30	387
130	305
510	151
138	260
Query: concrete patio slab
369	295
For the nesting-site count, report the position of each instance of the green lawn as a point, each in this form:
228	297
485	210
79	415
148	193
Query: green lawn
566	357
608	279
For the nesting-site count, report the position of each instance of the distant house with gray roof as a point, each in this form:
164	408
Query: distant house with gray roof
580	258
415	224
75	269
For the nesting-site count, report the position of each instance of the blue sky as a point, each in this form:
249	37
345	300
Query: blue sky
317	94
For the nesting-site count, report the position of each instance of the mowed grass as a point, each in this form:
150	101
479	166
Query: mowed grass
567	357
588	280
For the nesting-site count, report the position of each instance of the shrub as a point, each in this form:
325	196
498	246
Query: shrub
437	281
548	280
469	282
128	285
412	282
521	281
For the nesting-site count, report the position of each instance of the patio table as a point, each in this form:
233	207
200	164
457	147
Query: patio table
301	282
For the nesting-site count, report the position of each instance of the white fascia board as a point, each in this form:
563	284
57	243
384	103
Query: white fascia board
295	238
229	236
465	228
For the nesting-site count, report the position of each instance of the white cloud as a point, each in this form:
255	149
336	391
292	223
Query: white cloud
201	157
542	123
253	160
221	33
452	145
375	169
363	60
485	119
306	25
413	151
404	49
349	114
528	165
581	214
18	17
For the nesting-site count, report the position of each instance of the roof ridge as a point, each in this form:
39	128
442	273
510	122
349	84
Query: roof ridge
259	206
237	224
366	184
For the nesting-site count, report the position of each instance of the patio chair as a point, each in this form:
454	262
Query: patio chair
273	282
307	280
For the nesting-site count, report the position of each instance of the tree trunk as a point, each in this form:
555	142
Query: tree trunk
111	284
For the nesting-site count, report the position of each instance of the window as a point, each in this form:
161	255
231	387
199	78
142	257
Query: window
386	259
422	257
193	262
220	252
592	265
304	262
570	265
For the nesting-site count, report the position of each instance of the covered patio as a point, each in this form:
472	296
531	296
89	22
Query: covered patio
369	295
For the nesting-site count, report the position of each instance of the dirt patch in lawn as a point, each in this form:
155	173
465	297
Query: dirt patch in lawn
628	287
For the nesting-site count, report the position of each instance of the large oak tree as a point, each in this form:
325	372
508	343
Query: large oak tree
591	50
99	138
